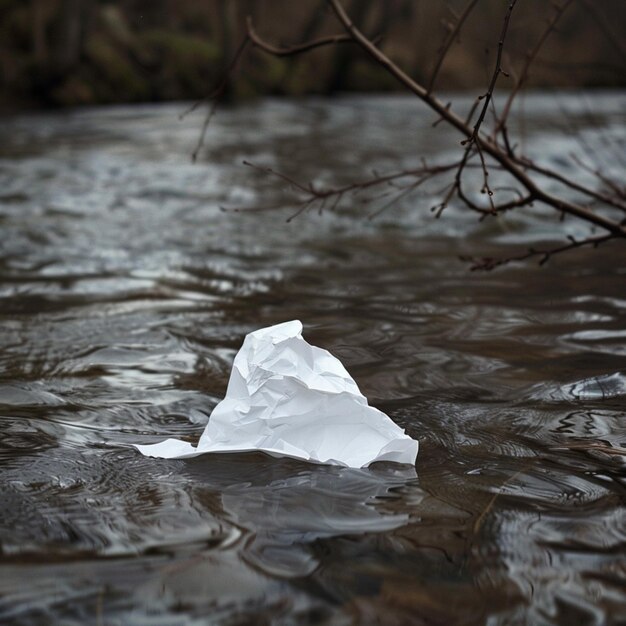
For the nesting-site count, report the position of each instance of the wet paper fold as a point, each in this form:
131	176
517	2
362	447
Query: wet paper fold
288	398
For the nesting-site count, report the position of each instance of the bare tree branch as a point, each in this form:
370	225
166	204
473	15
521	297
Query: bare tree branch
560	204
530	57
496	72
483	151
312	194
489	263
293	50
216	94
452	35
572	184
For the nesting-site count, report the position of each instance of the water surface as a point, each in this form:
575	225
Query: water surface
125	292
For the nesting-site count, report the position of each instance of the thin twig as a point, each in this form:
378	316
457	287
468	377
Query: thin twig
496	72
293	50
492	154
530	57
560	204
571	183
452	35
489	263
611	184
312	194
472	139
217	93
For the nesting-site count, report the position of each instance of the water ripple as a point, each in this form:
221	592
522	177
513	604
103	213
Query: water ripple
125	293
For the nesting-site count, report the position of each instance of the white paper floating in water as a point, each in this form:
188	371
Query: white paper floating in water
288	398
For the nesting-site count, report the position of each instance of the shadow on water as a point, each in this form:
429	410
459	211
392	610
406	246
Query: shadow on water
124	294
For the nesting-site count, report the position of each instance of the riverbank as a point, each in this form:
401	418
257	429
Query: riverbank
59	53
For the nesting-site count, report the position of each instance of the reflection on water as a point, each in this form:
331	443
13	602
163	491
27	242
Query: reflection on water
289	513
124	294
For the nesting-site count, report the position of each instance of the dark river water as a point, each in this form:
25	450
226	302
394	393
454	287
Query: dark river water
125	292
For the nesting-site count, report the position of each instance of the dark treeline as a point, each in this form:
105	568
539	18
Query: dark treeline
69	52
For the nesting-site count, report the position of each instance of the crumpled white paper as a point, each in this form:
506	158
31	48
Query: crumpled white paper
288	398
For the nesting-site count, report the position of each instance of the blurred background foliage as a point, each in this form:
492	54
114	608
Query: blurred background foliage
79	52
